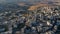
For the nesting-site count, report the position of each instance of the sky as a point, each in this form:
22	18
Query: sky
10	1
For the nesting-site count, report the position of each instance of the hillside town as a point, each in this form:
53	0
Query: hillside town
30	19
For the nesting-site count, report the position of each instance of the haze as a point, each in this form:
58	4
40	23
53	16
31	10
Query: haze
9	1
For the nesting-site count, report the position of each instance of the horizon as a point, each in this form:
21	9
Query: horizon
16	1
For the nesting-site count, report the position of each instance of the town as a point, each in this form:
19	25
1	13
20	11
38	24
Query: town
30	19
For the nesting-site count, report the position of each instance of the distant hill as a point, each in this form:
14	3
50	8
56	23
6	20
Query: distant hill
31	1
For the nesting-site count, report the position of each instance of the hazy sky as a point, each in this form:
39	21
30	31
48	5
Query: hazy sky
4	1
